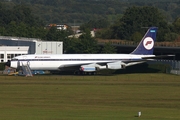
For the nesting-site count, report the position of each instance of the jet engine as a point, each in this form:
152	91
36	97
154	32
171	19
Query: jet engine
116	65
89	68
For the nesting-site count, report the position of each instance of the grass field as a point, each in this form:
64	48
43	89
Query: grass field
116	97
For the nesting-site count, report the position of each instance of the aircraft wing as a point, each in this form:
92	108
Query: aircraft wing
116	64
74	66
101	65
158	56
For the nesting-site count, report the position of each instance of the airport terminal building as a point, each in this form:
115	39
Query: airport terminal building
14	46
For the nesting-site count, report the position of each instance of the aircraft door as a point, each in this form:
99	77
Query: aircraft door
24	61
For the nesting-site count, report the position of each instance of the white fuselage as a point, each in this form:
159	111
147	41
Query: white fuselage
56	62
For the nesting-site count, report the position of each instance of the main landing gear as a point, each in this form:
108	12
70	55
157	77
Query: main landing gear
84	73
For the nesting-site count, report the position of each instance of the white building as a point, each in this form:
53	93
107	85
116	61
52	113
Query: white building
13	46
46	47
6	52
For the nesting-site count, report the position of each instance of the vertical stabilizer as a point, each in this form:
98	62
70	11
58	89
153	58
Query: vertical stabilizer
146	46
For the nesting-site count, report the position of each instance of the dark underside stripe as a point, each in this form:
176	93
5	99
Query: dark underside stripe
75	59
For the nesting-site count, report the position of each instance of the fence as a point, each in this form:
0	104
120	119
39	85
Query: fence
174	64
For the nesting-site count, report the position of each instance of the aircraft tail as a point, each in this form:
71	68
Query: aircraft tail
146	46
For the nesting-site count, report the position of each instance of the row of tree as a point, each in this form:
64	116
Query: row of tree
20	22
135	22
81	11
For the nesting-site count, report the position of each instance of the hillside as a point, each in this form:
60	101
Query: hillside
81	11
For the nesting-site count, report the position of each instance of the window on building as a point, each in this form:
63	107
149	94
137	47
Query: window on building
12	55
8	55
2	55
17	55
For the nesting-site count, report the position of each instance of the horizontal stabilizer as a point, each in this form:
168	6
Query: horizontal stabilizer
158	56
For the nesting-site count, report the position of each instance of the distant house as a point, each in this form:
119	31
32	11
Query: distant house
80	33
59	27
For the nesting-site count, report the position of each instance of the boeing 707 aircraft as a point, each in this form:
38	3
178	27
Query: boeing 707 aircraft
89	62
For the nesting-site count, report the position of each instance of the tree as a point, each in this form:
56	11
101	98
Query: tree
54	34
39	32
22	30
51	35
104	33
11	29
88	44
2	31
171	36
71	45
84	44
136	37
23	13
176	25
19	21
108	48
135	18
95	24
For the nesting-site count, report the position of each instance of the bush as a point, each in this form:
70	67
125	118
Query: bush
2	66
145	68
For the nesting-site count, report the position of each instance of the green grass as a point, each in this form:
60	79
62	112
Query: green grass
116	97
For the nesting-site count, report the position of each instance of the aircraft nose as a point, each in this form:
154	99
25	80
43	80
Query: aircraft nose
8	63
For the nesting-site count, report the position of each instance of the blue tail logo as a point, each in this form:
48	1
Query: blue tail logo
146	46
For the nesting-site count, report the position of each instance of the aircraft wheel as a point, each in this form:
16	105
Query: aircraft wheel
93	73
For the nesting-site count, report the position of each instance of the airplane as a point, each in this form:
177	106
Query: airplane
89	62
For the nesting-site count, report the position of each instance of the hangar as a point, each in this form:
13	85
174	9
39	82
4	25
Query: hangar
14	46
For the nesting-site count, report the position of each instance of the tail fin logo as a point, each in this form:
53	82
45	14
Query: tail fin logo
148	43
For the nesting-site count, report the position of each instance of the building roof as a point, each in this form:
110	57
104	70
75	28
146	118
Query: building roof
19	38
14	48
